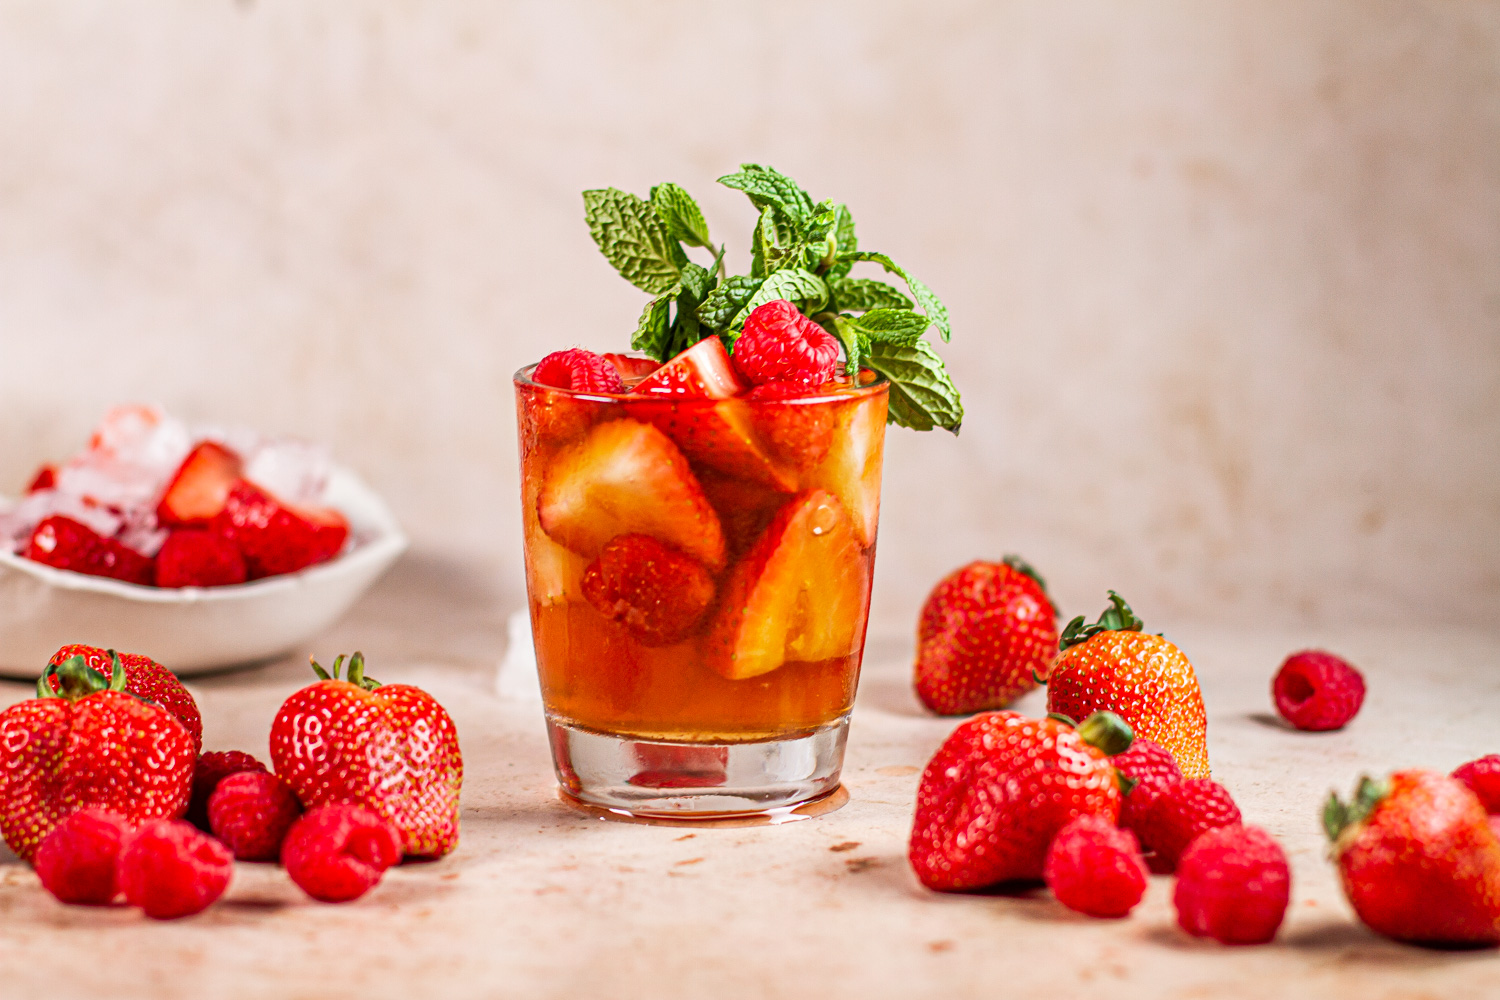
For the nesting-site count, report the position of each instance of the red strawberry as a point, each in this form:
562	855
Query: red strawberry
250	812
631	368
1000	788
779	344
64	543
851	470
1179	814
1317	691
1094	867
1113	665
45	479
703	371
93	745
796	425
1233	884
337	853
745	508
77	860
626	477
1152	770
169	869
144	678
578	370
391	748
986	633
212	768
199	487
1418	859
276	538
196	557
656	592
1483	778
799	594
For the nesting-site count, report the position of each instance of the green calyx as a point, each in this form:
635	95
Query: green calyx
1104	730
355	674
76	679
1116	618
1338	816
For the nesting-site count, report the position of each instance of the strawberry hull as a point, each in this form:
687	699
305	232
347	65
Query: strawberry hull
773	511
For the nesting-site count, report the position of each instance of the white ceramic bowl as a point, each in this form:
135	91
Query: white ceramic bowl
193	630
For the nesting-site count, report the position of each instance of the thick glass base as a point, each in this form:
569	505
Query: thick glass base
697	780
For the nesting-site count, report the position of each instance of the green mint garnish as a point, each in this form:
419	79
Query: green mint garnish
801	250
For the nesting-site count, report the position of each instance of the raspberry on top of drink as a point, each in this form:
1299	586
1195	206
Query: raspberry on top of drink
701	515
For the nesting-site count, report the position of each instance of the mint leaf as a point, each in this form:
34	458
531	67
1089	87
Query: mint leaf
634	239
892	326
922	395
856	344
859	294
723	303
697	280
773	245
845	242
924	296
651	332
682	215
766	186
804	288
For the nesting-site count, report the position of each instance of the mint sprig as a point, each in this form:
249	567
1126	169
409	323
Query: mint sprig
801	250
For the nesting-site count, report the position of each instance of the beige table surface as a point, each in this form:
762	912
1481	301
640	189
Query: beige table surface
540	900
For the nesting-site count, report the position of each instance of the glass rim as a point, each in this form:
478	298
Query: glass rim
522	377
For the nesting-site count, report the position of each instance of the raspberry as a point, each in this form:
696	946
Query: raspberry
76	862
172	870
251	812
1180	813
338	852
578	370
1232	885
212	768
197	557
1317	691
1483	777
779	344
1094	867
1154	769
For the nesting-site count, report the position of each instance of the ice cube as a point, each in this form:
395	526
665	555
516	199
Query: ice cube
20	520
295	472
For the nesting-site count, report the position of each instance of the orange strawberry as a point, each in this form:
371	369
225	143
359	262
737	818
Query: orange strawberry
987	632
1418	859
1112	665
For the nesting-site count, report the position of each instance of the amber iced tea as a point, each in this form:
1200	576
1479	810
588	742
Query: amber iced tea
699	569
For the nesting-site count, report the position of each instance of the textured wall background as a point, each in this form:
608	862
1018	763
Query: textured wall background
1225	279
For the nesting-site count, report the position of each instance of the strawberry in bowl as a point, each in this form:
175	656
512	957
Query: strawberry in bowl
700	517
214	548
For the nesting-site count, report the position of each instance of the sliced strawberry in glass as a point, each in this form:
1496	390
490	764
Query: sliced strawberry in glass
626	477
703	371
798	594
851	468
632	369
199	487
797	434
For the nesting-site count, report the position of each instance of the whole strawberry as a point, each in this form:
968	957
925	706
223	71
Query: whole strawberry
392	748
986	633
144	678
1001	787
1483	778
1418	859
91	744
1112	665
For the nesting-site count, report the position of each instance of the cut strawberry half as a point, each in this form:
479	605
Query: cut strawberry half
198	557
64	543
625	477
797	433
703	371
45	479
745	507
275	537
851	469
632	369
200	486
656	592
799	594
719	435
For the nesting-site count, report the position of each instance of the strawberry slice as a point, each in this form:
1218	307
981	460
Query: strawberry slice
703	371
197	557
200	486
656	592
626	477
745	507
800	593
632	369
64	543
45	479
851	469
275	537
797	433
